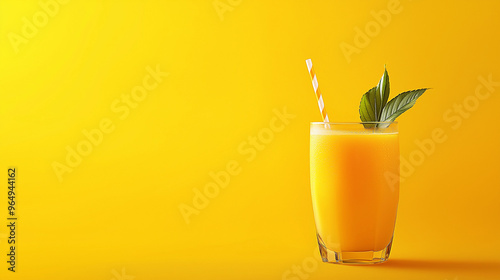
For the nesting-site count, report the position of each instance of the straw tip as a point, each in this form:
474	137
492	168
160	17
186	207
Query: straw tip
309	63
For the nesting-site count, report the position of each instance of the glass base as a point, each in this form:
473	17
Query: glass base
357	258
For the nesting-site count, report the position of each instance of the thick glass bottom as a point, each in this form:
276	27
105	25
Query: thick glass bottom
356	258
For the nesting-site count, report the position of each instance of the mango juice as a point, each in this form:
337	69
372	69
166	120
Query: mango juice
354	185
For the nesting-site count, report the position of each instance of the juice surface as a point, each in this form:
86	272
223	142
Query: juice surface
355	188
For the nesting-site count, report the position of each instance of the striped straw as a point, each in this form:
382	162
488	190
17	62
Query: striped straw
319	97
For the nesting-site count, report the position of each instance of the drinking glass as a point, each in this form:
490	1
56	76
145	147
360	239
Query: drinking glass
354	171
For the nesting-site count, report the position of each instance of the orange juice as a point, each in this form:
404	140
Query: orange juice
354	186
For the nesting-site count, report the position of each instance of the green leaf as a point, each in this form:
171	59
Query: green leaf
375	108
400	104
373	101
383	91
366	107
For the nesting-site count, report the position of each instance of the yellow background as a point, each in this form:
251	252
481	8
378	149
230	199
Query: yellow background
117	213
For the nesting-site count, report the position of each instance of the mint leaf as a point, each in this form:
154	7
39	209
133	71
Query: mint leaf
367	107
373	101
400	104
376	98
383	90
375	108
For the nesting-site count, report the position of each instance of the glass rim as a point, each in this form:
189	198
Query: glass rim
336	123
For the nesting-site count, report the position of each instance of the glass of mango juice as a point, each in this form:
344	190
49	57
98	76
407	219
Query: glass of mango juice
354	171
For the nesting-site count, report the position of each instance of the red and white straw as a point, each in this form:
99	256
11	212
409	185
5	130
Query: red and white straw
319	97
